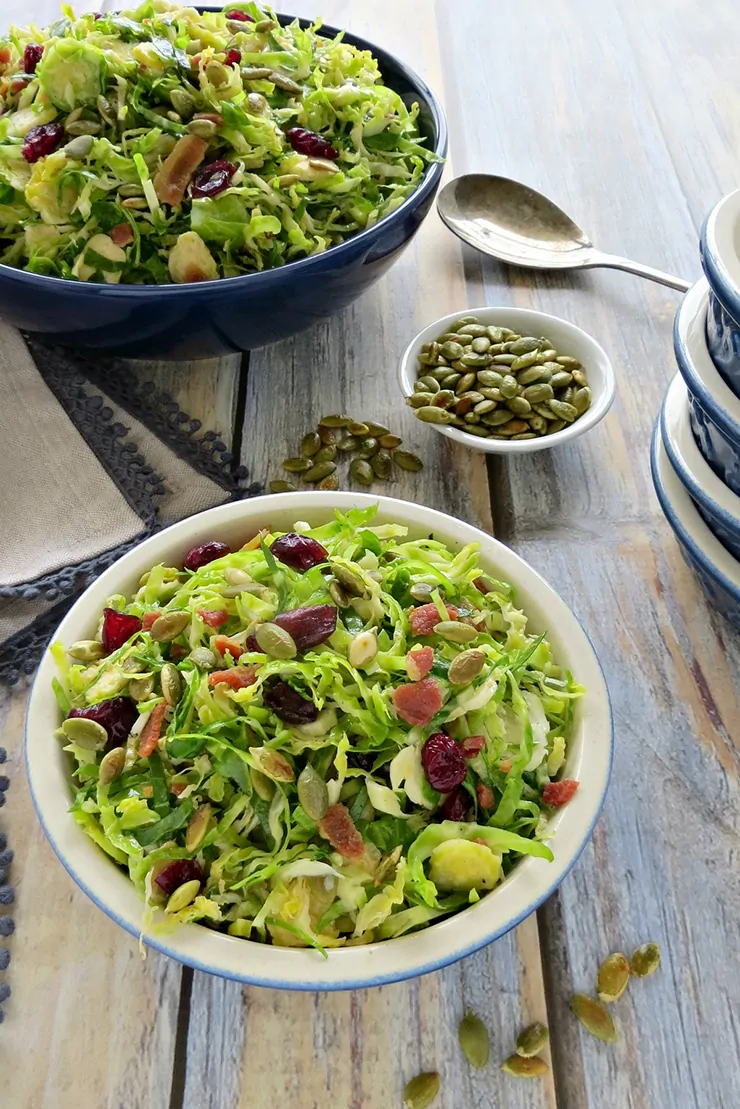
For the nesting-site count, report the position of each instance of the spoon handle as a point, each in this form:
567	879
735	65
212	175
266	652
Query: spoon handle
615	263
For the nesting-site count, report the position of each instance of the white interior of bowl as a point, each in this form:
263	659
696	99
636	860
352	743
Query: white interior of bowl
692	332
589	761
567	339
677	426
723	236
688	516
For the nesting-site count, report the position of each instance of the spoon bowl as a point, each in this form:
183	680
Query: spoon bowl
519	226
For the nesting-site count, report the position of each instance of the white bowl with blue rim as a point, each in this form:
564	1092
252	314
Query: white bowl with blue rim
718	572
525	888
717	504
714	410
720	256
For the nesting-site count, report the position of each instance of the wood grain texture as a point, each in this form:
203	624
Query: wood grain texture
602	132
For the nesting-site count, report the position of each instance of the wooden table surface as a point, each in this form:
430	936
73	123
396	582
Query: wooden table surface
626	112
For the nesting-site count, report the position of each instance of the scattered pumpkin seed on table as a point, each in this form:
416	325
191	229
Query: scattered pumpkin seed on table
645	960
595	1017
532	1039
421	1091
538	391
367	450
474	1040
613	977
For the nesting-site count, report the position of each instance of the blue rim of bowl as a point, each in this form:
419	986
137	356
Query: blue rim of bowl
719	279
696	386
686	539
689	481
428	184
347	984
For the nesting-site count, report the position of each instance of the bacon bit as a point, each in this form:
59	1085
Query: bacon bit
122	234
473	745
559	793
239	677
148	791
214	617
178	651
338	827
222	644
485	796
505	766
424	618
148	619
171	181
253	543
212	117
152	731
418	703
195	62
482	585
419	662
17	85
178	788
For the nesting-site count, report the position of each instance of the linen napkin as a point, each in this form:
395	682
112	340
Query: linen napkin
92	460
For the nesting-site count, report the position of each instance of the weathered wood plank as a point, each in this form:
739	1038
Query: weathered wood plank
596	131
359	1049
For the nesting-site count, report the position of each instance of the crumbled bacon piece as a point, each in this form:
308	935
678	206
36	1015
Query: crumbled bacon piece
424	618
419	662
472	745
152	730
171	181
122	234
559	793
222	644
485	796
419	702
338	827
239	677
214	617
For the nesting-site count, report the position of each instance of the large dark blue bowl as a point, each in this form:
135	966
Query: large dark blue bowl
236	313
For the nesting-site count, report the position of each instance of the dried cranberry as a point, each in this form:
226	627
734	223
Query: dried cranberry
455	805
309	626
41	141
289	705
300	552
252	645
443	762
177	873
308	142
233	57
213	179
118	628
241	17
32	55
201	556
117	716
360	759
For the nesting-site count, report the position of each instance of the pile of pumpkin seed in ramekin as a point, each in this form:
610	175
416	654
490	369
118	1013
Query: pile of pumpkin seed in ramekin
494	383
370	448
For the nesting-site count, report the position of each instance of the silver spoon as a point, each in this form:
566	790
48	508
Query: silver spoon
517	225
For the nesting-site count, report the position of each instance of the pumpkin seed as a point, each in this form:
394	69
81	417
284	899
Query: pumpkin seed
421	1091
297	465
390	442
196	830
362	649
520	406
275	641
481	344
498	417
612	978
504	359
86	650
349	443
408	461
520	1067
371	445
452	350
581	399
381	464
530	376
326	454
327	435
80	147
524	361
531	1040
279	486
466	382
203	128
171	681
428	414
262	785
313	794
523	435
182	102
310	444
361	470
284	82
85	733
563	410
203	658
466	666
331	481
376	429
455	632
272	764
183	896
360	430
579	377
594	1017
168	626
443	399
538	424
526	345
141	689
111	766
474	1040
513	427
83	127
555	427
336	420
568	362
418	400
235	576
338	594
538	394
320	470
645	960
560	379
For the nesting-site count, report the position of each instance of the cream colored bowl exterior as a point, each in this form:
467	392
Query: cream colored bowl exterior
589	761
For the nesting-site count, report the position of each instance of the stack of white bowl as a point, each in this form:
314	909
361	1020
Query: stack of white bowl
696	445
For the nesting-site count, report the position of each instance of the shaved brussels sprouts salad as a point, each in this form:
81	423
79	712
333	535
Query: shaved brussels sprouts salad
164	144
326	737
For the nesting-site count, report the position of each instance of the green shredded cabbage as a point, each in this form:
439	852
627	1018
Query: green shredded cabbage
228	759
122	91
